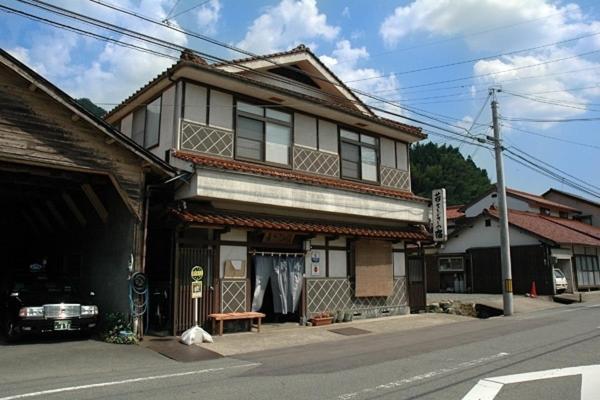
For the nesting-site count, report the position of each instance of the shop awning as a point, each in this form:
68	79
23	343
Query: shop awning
225	218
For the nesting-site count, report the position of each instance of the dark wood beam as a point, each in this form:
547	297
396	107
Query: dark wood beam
74	209
95	201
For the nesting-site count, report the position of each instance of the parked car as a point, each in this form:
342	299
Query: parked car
560	281
35	304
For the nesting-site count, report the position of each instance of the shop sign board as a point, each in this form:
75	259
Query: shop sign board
438	205
197	273
196	290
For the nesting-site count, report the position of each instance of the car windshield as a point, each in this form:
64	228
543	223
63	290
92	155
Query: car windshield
42	285
558	274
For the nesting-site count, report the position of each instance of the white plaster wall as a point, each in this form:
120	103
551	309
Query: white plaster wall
318	240
486	202
399	260
337	264
341	242
480	235
126	125
235	235
308	263
232	253
210	184
167	115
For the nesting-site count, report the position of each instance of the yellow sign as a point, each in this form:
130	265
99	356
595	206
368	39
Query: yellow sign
196	290
197	273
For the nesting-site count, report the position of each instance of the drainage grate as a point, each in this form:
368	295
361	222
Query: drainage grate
349	331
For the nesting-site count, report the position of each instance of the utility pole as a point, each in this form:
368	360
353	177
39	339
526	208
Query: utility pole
507	290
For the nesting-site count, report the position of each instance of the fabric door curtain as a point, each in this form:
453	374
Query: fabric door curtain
285	274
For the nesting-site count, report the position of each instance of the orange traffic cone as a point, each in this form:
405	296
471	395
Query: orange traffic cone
533	289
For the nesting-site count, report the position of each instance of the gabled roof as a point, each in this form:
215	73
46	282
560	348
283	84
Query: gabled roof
279	60
255	221
527	197
533	198
67	101
571	195
197	63
556	230
284	174
454	212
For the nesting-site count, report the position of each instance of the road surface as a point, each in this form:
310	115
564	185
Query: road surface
449	362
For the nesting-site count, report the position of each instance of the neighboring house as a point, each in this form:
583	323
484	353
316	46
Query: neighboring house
590	210
299	197
540	241
73	189
454	214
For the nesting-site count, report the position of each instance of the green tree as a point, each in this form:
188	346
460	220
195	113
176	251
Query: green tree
436	166
91	107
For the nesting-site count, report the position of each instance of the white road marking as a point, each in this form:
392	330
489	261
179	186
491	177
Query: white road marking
123	382
488	389
405	381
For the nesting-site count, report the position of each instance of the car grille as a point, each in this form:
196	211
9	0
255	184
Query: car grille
62	310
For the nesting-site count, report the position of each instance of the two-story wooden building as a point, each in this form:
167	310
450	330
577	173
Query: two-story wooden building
298	198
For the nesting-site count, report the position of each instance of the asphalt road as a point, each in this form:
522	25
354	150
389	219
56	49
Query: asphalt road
442	363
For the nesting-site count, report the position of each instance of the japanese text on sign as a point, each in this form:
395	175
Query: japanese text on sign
440	227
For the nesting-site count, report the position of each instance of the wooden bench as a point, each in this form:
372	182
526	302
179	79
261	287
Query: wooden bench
251	315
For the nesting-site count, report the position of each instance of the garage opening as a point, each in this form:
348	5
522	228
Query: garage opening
72	226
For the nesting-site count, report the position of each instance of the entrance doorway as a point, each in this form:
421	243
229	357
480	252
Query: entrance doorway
277	281
417	300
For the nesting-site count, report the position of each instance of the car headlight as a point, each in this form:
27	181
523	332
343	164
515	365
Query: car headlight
89	310
29	312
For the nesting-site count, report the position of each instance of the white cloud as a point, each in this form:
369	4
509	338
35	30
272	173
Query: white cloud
208	15
287	25
467	19
344	62
105	72
346	12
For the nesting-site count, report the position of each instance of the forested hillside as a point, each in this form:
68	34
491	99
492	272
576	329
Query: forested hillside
442	166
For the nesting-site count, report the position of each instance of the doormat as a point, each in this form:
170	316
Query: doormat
349	331
178	351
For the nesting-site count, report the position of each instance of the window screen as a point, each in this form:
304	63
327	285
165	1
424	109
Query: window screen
263	134
359	155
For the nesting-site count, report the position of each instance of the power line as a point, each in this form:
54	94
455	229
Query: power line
549	173
162	43
549	102
472	60
190	9
462	36
588	145
550	120
509	149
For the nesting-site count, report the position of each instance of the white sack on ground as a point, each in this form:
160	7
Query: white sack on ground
195	335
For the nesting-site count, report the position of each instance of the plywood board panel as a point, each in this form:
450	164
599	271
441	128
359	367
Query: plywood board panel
374	269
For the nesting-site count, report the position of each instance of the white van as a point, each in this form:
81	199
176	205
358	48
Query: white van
560	281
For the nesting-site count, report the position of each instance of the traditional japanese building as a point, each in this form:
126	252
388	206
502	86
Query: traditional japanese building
297	198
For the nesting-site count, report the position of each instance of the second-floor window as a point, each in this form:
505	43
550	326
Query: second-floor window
358	155
263	134
146	124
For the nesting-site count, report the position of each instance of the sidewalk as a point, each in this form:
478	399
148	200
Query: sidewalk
522	304
282	336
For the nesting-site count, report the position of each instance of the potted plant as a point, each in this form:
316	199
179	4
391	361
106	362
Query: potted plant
322	318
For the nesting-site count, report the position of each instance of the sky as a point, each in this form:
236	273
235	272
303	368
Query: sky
436	59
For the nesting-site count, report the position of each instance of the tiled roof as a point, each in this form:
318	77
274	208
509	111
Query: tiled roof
454	212
539	200
241	166
413	130
576	226
296	50
547	228
222	218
